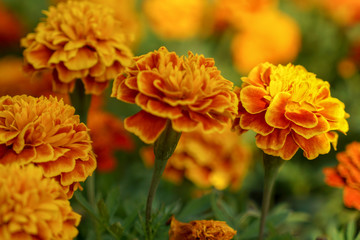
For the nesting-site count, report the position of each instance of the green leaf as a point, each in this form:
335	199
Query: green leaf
87	207
195	207
350	230
103	211
116	229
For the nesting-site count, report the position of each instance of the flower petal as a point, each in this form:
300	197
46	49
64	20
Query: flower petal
332	177
302	117
333	109
352	197
145	81
84	59
38	55
208	123
287	151
275	114
275	140
184	124
255	122
252	99
314	146
146	126
321	127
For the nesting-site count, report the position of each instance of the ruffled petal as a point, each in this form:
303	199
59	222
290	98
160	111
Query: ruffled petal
255	122
275	140
333	109
287	151
302	118
184	124
208	123
146	126
275	114
352	197
145	81
84	59
252	99
314	146
332	177
321	127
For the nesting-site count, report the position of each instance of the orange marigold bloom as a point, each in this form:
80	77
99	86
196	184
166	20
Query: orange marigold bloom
34	207
346	12
177	19
78	40
108	134
289	108
207	159
261	42
47	133
347	174
188	91
200	230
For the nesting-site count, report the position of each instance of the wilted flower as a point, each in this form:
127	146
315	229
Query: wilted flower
34	207
214	159
47	133
289	108
259	41
346	174
176	19
108	135
188	91
78	40
200	230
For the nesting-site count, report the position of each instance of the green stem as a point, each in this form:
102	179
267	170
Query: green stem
164	147
272	165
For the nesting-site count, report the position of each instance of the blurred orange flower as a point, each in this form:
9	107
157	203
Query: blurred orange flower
188	91
11	29
77	40
346	174
345	12
289	108
108	134
175	19
14	81
200	230
34	207
237	12
213	159
47	133
261	42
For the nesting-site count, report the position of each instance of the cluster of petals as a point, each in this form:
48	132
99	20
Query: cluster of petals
346	174
45	132
108	135
188	91
33	207
163	16
77	40
289	108
200	230
217	160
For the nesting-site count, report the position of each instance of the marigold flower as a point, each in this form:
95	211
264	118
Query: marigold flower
345	12
346	174
77	40
289	108
188	91
47	133
175	19
34	207
213	159
200	230
261	42
108	134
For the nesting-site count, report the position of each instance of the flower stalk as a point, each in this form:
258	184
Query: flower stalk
164	147
272	165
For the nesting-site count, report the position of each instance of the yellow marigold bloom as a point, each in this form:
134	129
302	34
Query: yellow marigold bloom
260	41
33	207
175	19
289	108
77	40
188	91
207	159
47	133
346	174
200	230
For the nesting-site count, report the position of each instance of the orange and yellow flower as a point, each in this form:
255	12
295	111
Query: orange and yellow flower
345	12
47	133
261	42
78	40
175	19
34	207
214	159
188	91
108	135
200	230
289	108
346	174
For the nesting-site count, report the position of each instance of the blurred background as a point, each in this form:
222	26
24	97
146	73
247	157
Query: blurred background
321	35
